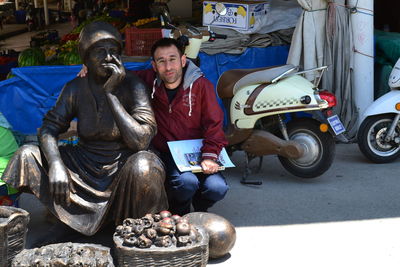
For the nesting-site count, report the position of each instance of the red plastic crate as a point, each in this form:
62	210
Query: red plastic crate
138	42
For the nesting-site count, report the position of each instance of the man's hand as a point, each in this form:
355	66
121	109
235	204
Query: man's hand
209	166
117	74
82	73
59	183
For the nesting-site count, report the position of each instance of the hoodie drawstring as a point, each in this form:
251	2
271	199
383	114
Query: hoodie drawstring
190	95
190	99
154	88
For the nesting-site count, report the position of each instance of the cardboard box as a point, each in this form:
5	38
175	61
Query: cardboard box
240	15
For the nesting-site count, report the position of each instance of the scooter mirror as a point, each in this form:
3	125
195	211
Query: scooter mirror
220	8
394	78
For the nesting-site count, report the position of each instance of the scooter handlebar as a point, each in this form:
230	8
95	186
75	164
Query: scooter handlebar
220	36
214	36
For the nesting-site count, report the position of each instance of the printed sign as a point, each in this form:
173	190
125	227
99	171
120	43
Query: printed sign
336	124
239	14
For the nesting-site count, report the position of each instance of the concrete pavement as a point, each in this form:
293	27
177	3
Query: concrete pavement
10	30
16	36
347	217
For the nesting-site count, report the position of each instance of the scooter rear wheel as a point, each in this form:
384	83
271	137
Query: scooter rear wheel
371	139
319	149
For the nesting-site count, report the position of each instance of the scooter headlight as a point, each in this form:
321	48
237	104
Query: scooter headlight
328	97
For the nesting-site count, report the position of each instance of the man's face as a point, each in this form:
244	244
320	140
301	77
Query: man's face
100	55
168	63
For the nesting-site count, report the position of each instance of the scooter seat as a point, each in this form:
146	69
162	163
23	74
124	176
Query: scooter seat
232	80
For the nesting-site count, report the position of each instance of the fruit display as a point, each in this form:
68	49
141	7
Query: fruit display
70	37
141	22
31	57
157	230
69	54
50	52
117	23
48	49
44	38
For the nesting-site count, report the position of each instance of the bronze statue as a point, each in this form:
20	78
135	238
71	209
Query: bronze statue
110	174
221	233
65	255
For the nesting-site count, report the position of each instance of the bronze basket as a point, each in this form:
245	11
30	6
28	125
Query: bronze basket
13	229
196	255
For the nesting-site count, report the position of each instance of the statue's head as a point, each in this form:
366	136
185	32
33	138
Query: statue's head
99	42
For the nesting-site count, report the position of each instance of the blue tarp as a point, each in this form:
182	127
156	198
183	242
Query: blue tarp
25	99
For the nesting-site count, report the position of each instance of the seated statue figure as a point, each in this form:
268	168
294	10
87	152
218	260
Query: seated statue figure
110	174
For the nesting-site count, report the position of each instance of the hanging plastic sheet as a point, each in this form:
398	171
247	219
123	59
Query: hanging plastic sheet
214	65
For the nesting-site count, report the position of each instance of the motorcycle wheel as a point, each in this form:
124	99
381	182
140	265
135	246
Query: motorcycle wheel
319	149
371	139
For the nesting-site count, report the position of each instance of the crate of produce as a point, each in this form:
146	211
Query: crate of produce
138	42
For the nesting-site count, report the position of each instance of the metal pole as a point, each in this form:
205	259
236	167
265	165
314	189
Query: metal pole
46	12
362	20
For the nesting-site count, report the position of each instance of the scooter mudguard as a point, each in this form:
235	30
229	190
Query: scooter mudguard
384	104
253	102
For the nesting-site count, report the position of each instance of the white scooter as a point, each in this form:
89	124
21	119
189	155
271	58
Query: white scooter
379	133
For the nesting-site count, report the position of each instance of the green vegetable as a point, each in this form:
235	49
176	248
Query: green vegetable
31	57
70	57
10	75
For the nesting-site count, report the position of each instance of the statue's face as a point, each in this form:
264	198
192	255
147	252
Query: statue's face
99	55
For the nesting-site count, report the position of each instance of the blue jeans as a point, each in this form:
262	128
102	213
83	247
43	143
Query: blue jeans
185	188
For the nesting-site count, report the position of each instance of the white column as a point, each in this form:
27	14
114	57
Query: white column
16	5
362	20
46	12
35	3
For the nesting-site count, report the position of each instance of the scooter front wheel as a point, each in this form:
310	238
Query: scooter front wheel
372	141
319	149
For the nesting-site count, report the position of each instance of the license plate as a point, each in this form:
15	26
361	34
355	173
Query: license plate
336	124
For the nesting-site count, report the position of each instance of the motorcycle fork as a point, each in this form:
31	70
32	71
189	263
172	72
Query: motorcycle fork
390	133
282	127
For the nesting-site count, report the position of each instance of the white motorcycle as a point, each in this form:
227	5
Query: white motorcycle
379	133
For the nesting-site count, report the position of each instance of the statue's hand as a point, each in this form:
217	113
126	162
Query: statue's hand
59	183
117	74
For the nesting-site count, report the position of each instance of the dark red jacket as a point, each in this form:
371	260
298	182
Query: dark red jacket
194	112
